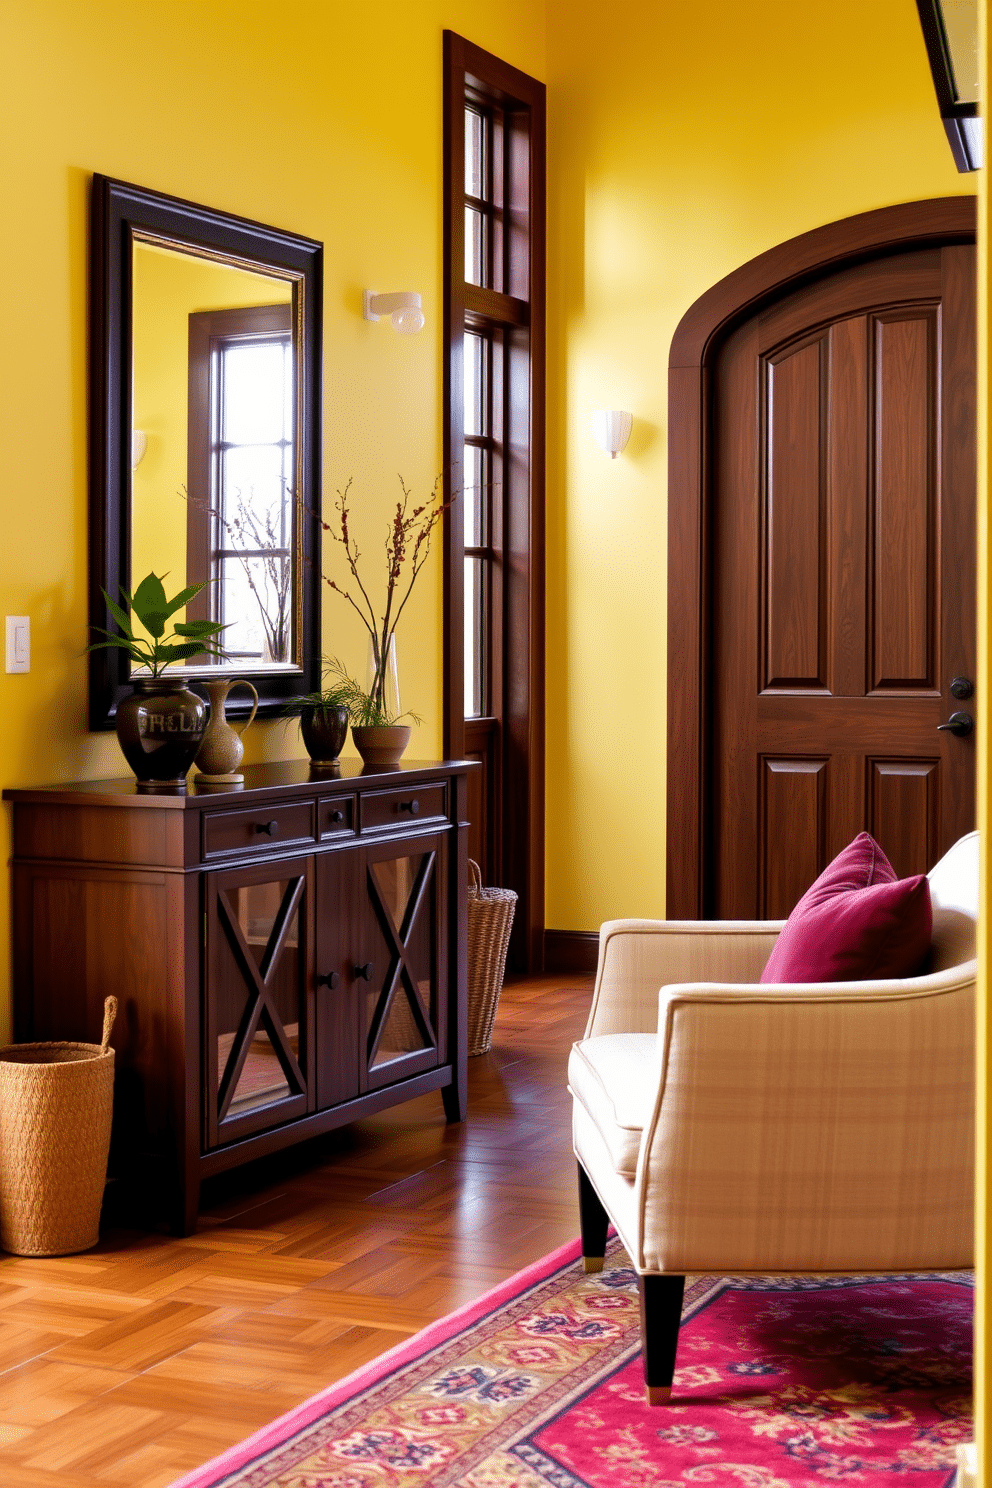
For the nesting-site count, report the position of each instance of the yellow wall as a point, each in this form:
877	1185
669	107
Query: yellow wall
167	288
683	142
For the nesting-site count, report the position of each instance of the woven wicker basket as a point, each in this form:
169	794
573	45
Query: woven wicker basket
56	1104
490	920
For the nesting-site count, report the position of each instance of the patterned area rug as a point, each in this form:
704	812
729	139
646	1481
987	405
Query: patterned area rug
779	1381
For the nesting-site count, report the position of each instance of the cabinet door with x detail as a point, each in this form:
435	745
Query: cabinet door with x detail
403	965
258	1007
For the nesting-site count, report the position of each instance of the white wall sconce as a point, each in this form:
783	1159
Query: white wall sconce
612	427
402	307
139	443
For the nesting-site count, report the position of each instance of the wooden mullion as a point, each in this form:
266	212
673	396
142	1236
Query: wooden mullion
280	928
238	1056
494	308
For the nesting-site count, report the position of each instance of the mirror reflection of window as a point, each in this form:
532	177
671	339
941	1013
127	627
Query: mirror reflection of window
240	530
213	499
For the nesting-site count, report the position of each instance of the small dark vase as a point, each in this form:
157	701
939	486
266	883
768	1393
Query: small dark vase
324	731
160	727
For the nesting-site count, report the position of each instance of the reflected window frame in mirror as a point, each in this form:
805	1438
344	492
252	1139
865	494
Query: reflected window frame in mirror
122	214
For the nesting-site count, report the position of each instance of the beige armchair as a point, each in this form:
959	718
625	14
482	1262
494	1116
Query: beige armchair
726	1126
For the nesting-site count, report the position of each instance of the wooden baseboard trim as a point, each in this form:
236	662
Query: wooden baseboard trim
571	950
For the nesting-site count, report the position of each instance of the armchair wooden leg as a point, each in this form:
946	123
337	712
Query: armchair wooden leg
661	1313
594	1223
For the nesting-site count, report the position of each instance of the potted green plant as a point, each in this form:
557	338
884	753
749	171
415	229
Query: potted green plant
161	725
323	718
376	727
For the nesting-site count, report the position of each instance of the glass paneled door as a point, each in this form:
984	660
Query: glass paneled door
257	1008
403	968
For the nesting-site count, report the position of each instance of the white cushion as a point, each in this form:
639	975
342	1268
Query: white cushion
615	1077
954	880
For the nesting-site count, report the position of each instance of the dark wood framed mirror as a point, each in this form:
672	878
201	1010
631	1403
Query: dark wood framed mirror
205	404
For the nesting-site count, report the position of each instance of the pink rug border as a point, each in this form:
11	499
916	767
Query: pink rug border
305	1414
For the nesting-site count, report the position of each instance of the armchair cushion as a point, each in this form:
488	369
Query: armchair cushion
858	921
615	1077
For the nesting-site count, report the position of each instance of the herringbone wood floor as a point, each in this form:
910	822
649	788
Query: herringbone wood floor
137	1361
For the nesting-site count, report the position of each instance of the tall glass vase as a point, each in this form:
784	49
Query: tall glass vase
391	690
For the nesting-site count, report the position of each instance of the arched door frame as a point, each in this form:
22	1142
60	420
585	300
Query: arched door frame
935	223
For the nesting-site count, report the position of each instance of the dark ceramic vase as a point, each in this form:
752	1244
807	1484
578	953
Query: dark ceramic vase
324	731
160	727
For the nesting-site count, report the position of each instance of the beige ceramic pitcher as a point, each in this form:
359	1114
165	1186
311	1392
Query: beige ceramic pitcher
222	751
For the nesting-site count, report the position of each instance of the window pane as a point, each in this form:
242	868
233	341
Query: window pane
474	153
474	497
474	637
255	605
254	395
475	384
475	246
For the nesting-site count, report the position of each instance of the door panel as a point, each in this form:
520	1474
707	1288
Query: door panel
903	499
842	599
794	796
794	518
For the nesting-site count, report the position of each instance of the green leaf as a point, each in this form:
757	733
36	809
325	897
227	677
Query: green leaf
150	604
121	616
183	652
117	641
183	598
198	627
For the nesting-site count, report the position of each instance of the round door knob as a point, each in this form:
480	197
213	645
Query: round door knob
330	979
961	688
337	816
412	806
269	828
958	723
366	972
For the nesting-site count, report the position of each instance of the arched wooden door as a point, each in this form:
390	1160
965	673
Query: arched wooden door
822	560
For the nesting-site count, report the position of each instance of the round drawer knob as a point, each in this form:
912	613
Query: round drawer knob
366	972
330	979
337	816
412	806
268	829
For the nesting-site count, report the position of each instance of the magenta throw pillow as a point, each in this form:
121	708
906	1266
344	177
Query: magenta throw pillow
857	922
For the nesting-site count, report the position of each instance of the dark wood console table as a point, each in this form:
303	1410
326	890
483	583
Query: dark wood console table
288	955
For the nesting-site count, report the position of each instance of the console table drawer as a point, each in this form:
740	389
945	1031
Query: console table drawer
337	817
397	808
257	828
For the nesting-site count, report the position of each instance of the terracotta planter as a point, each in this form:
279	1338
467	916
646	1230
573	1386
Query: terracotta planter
381	746
160	727
324	731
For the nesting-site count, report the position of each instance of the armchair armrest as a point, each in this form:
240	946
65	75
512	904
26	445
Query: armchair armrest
637	957
797	1119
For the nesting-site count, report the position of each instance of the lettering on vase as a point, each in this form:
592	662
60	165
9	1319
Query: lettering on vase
152	725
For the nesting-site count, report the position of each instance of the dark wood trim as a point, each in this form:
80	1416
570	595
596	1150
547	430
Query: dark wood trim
953	112
700	334
495	306
571	951
467	68
118	213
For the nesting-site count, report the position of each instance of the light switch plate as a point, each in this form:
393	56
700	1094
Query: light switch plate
18	643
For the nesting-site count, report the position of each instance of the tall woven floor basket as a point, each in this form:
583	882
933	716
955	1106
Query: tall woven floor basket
490	920
56	1104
